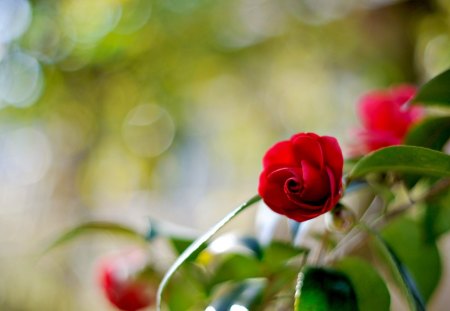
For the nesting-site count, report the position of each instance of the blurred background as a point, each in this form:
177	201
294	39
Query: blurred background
126	110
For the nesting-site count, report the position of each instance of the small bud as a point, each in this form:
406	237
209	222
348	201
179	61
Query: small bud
340	219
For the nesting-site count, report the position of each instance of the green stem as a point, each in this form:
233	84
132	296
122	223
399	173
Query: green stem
196	245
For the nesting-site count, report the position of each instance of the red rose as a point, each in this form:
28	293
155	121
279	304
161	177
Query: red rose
386	118
119	278
302	177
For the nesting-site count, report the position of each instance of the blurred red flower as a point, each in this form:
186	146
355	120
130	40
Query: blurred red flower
119	279
386	118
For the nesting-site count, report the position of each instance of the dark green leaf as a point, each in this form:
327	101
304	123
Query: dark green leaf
437	217
408	159
181	244
431	133
436	91
422	259
371	291
96	227
320	289
399	273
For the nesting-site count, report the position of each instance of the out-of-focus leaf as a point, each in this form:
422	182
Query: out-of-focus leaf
436	91
431	133
371	291
437	217
185	294
422	259
252	244
180	244
409	159
278	253
96	227
236	267
197	244
399	273
246	295
322	289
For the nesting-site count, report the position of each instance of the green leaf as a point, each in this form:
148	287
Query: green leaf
193	248
422	259
277	253
437	217
246	294
371	291
236	267
320	289
186	294
95	227
409	159
431	133
181	244
436	91
399	272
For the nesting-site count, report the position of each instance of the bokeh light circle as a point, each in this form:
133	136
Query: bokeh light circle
148	130
15	17
25	156
21	79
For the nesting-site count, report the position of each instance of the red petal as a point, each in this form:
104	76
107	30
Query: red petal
306	147
333	155
279	155
316	186
272	192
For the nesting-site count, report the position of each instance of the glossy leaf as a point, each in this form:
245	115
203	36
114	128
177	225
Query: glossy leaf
245	295
96	227
421	259
399	273
371	291
409	159
197	244
180	244
436	91
320	289
431	133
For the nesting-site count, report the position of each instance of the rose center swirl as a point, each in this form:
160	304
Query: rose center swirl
292	185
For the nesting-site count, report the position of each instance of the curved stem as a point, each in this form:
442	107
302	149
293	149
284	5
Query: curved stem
196	245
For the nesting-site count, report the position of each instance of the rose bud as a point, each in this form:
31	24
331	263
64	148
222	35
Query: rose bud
302	177
340	219
122	282
386	118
